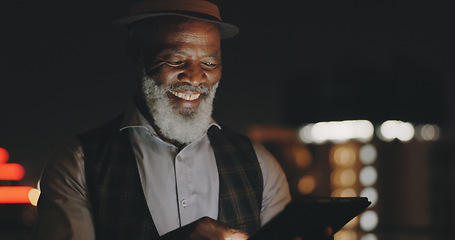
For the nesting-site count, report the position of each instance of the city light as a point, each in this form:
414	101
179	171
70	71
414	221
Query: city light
368	176
306	185
372	195
15	172
343	177
393	129
368	220
367	154
33	196
11	171
337	131
344	156
427	132
363	131
16	194
4	155
348	192
344	192
302	156
352	172
369	236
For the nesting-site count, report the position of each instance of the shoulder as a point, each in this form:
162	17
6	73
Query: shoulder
271	168
68	155
64	207
65	168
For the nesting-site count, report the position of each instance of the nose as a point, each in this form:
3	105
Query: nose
193	74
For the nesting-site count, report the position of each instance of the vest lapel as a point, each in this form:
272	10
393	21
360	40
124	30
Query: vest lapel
119	206
240	180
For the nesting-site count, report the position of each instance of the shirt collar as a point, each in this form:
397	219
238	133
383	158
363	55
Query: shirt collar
133	118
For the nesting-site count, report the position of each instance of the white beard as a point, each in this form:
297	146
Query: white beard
178	123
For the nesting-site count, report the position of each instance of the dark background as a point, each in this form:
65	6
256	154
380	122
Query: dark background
64	68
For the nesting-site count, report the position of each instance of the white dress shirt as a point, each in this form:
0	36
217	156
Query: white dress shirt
179	186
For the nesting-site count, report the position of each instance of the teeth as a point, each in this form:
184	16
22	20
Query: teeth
185	96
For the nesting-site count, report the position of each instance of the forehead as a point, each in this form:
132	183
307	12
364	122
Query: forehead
169	29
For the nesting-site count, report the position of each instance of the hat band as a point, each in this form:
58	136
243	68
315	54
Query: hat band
199	6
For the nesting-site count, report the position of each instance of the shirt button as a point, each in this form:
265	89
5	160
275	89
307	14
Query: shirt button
183	202
179	158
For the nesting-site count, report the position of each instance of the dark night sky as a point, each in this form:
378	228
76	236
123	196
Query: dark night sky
64	69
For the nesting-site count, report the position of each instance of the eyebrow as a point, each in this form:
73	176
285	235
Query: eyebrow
171	52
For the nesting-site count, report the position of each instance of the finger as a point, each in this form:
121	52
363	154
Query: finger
234	234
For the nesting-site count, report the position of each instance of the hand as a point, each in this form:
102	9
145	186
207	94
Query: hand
205	229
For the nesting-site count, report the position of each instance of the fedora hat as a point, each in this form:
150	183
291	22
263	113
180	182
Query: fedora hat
198	9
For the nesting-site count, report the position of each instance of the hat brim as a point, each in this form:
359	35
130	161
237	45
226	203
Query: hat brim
226	30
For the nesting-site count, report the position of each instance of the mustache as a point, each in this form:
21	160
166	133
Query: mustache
188	87
203	89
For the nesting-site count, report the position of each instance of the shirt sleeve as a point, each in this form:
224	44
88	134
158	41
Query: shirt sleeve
64	210
276	189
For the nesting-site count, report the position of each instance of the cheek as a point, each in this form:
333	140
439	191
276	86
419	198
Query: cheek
165	75
214	77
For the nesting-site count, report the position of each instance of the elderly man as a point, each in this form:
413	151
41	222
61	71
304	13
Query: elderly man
164	169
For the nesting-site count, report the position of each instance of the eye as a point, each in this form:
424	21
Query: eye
175	63
210	65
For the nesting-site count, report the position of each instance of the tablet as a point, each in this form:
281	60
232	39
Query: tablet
309	216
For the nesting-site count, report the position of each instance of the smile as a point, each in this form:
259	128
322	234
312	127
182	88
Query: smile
185	96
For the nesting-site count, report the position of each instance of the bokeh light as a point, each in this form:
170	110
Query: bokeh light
348	192
344	156
343	177
14	194
33	196
306	185
368	176
337	131
371	193
368	220
11	171
302	156
367	154
427	132
344	192
393	129
4	155
348	177
369	236
305	133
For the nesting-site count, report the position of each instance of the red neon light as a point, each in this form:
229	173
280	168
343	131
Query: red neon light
14	194
11	171
4	155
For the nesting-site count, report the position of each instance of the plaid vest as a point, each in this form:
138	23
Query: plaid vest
119	207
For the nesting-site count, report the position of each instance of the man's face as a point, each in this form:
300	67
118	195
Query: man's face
186	53
181	67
